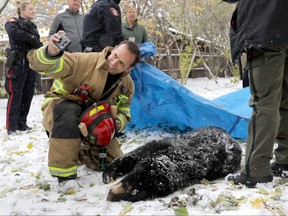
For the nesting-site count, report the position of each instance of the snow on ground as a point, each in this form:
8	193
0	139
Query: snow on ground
26	187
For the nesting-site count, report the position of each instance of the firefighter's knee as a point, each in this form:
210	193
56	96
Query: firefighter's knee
66	119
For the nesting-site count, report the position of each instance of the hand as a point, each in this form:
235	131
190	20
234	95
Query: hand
53	50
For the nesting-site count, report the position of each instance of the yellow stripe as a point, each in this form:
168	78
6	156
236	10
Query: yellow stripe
58	67
121	118
125	110
58	87
63	172
46	100
58	63
42	57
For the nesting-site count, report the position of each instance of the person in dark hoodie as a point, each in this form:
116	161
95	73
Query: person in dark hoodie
259	29
102	26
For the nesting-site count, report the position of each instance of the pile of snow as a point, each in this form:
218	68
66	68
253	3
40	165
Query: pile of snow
26	187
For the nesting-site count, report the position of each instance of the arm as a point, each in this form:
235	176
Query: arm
19	35
48	60
56	26
123	104
113	24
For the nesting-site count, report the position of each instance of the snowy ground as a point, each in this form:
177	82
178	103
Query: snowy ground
26	188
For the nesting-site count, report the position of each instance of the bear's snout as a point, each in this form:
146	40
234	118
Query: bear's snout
118	192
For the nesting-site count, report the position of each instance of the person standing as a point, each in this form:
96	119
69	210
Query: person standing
102	26
131	29
259	28
70	21
38	84
20	79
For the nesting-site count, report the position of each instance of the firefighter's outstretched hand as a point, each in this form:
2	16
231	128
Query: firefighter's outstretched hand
52	49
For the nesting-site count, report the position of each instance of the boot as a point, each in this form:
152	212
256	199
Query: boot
63	179
24	127
10	132
249	181
68	185
280	170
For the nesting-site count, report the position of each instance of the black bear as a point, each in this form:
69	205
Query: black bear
161	167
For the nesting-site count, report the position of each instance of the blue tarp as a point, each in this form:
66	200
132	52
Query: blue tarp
236	102
161	100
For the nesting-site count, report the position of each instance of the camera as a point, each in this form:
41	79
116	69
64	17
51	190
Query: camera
63	42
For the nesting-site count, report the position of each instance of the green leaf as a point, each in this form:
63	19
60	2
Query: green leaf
181	211
61	199
43	186
262	191
127	208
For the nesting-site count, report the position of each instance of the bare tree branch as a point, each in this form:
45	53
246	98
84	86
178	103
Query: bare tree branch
4	5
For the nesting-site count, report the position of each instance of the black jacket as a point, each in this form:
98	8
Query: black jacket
102	26
23	35
258	24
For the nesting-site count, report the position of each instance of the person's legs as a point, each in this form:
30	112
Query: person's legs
281	152
64	140
38	83
265	78
28	92
14	86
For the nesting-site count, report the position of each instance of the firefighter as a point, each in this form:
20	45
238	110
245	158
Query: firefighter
102	76
20	79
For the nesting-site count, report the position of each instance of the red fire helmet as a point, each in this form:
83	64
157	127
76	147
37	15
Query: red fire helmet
100	124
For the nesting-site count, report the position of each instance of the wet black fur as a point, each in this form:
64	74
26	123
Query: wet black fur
159	168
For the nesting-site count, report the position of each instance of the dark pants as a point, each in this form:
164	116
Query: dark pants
19	84
268	81
38	83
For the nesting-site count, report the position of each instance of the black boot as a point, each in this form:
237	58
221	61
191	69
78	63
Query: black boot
10	131
280	170
249	181
63	179
24	127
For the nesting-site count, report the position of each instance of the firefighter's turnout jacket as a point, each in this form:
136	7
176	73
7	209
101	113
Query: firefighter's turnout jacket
71	70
